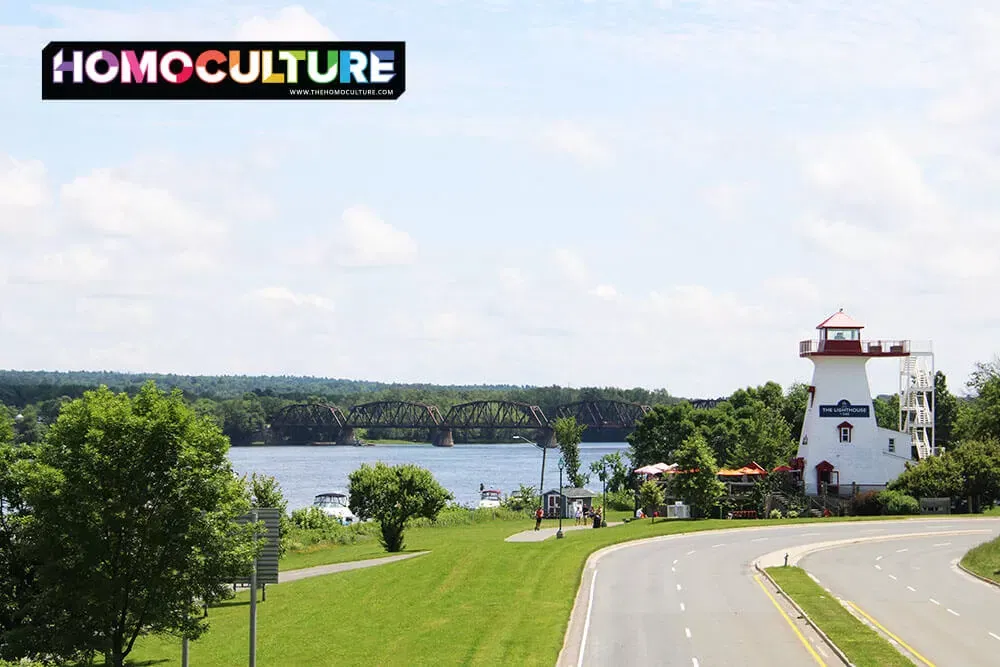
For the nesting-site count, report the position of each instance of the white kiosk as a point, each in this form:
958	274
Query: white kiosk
841	444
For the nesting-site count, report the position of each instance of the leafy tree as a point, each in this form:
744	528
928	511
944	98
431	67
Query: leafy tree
523	499
945	411
721	428
933	477
763	437
134	519
27	430
887	412
979	461
980	419
650	496
266	492
6	426
392	495
569	434
697	483
661	431
983	372
611	468
793	408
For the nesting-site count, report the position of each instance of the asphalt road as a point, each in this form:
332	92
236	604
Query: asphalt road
694	600
913	590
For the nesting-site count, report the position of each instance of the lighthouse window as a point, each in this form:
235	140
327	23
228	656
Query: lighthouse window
843	334
892	444
845	434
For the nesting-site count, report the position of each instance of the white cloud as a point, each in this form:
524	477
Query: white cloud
605	292
290	23
364	239
24	196
576	141
284	295
571	265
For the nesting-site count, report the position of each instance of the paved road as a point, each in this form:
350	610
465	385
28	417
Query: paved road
912	589
693	600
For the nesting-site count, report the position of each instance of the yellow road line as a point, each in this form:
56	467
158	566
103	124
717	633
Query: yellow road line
791	623
897	639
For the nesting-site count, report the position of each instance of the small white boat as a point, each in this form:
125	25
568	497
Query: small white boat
489	498
335	505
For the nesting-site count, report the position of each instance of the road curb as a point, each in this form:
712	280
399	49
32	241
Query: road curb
829	642
977	576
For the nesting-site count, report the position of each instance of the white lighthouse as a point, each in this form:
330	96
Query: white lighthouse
841	444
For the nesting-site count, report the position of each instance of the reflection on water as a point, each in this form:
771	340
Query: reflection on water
304	472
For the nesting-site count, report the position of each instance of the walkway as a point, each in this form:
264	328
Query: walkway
306	572
546	533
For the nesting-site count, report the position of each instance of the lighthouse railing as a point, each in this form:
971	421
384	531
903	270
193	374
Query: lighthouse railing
873	347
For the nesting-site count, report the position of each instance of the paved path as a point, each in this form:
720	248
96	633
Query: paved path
306	572
694	600
912	589
546	533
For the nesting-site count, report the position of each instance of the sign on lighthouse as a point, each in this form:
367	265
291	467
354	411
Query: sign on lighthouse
842	445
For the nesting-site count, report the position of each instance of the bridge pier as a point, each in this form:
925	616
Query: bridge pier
546	437
443	438
346	436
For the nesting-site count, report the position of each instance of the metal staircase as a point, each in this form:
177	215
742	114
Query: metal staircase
916	399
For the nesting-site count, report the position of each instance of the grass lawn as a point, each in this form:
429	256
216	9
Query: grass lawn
984	560
474	600
863	646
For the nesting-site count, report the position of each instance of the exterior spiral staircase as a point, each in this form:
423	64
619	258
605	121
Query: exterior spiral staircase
916	400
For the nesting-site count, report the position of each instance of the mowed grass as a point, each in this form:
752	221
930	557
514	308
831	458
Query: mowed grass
474	600
863	646
984	560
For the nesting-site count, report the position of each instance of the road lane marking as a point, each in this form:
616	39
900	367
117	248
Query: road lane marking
942	544
682	606
994	636
690	552
878	567
952	611
893	577
808	534
878	558
791	624
673	569
873	530
813	577
678	586
687	631
694	662
899	551
675	561
586	623
897	639
934	601
912	589
715	546
758	539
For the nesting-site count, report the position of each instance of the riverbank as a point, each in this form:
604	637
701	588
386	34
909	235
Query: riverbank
474	599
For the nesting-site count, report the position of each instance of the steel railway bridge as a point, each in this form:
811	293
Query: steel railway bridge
315	423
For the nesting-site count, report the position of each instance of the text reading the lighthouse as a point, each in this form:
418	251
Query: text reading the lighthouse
222	70
843	408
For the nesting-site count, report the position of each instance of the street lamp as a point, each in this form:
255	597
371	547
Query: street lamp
541	482
562	498
604	502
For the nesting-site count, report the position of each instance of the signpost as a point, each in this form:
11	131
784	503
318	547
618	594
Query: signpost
265	566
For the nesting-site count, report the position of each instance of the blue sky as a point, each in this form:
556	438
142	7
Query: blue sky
660	194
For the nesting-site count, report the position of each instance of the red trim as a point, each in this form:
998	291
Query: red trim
845	425
824	466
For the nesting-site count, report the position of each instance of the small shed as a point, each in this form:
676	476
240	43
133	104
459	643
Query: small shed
575	498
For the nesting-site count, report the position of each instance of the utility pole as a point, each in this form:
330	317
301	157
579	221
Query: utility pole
253	600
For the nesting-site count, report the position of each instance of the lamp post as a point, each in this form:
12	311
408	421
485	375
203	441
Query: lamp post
541	482
562	498
604	501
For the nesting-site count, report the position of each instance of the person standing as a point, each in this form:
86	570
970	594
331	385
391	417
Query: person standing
538	518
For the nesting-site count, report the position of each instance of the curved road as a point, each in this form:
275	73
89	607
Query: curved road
694	600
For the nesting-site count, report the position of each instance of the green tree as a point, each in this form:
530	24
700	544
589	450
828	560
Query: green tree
27	429
611	468
983	372
980	419
659	432
392	495
933	477
793	408
945	411
650	496
6	426
697	483
763	437
979	462
569	434
134	519
266	492
887	412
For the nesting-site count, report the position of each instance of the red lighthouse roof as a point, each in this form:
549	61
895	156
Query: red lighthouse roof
840	320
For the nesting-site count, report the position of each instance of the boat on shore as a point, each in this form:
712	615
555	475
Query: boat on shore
490	498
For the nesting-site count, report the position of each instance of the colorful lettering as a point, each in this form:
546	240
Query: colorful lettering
139	70
312	67
201	66
187	66
252	72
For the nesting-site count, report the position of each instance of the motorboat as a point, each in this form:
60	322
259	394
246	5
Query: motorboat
336	505
490	498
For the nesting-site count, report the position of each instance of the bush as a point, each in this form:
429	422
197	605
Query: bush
866	504
313	518
792	514
897	502
622	501
775	513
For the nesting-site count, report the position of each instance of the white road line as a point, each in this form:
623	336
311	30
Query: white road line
893	577
758	539
873	530
682	606
808	534
673	569
942	544
675	561
687	631
586	623
694	662
678	586
714	546
878	558
878	567
952	611
912	589
899	551
994	636
812	577
933	600
690	552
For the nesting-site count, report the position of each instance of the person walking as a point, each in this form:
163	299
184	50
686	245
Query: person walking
538	518
579	516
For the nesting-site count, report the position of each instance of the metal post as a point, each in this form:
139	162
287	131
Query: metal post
184	653
253	600
604	503
541	482
562	502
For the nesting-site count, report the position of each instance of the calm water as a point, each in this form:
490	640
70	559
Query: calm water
304	472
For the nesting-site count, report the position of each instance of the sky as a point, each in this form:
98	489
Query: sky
605	193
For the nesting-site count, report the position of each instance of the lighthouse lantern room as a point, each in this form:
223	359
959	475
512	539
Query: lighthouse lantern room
842	448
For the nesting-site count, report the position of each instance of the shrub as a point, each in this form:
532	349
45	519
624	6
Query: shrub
792	514
622	501
775	513
897	502
866	504
313	518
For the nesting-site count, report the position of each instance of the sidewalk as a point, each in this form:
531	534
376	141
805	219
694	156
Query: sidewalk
546	533
306	572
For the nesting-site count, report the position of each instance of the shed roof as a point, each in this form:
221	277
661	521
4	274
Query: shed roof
574	492
840	320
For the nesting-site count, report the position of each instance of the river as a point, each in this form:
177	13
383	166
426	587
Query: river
304	472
